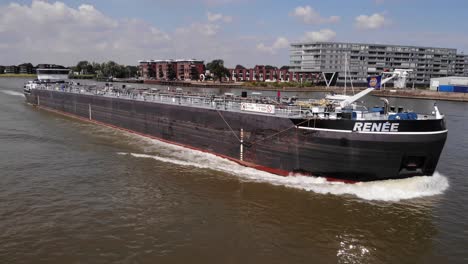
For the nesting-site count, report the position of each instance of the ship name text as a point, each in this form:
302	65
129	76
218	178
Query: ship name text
375	127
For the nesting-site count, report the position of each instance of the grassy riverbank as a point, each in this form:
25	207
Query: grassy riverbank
17	75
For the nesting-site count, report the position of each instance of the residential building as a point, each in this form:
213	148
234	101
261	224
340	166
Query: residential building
189	69
362	60
270	73
461	65
184	69
12	69
258	73
26	68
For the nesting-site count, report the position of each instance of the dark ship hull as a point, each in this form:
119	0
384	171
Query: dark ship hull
327	148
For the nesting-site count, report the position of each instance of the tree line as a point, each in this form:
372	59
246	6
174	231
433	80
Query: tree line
112	69
106	69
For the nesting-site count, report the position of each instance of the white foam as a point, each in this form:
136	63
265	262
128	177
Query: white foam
14	93
388	190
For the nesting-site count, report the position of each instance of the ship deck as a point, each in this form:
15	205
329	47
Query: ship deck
228	102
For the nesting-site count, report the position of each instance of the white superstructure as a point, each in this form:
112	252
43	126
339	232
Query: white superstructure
399	74
51	74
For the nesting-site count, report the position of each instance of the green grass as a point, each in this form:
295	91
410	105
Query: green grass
18	75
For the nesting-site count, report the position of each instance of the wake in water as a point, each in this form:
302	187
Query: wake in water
388	190
14	93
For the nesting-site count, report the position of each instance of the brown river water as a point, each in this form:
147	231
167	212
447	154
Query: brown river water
74	192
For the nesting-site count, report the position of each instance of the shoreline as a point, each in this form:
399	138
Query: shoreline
17	75
411	94
424	94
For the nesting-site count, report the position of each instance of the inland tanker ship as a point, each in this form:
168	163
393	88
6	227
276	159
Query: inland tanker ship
339	140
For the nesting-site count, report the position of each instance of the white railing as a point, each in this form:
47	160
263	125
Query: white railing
201	101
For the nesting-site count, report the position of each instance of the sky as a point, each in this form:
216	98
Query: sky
246	32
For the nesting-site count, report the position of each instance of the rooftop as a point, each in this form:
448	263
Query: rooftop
367	44
170	60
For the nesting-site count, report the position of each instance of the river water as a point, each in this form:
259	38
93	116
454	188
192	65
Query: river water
73	192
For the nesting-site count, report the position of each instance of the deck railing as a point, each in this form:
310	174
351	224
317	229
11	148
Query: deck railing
226	103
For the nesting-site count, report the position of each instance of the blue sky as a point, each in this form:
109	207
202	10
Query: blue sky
244	32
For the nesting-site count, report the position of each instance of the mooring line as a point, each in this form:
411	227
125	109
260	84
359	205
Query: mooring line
282	131
255	142
238	139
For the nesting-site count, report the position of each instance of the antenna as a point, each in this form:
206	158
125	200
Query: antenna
346	68
345	76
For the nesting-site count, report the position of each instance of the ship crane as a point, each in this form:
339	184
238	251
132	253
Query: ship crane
400	74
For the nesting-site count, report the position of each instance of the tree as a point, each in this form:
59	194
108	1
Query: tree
194	74
82	67
151	72
216	67
161	73
97	68
112	69
106	69
90	69
171	74
131	71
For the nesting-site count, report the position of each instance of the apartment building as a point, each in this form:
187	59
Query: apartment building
261	73
26	68
159	69
362	60
12	69
461	65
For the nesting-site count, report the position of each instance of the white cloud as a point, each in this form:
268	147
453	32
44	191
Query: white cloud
53	32
374	21
44	32
199	29
308	15
213	17
280	43
321	35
